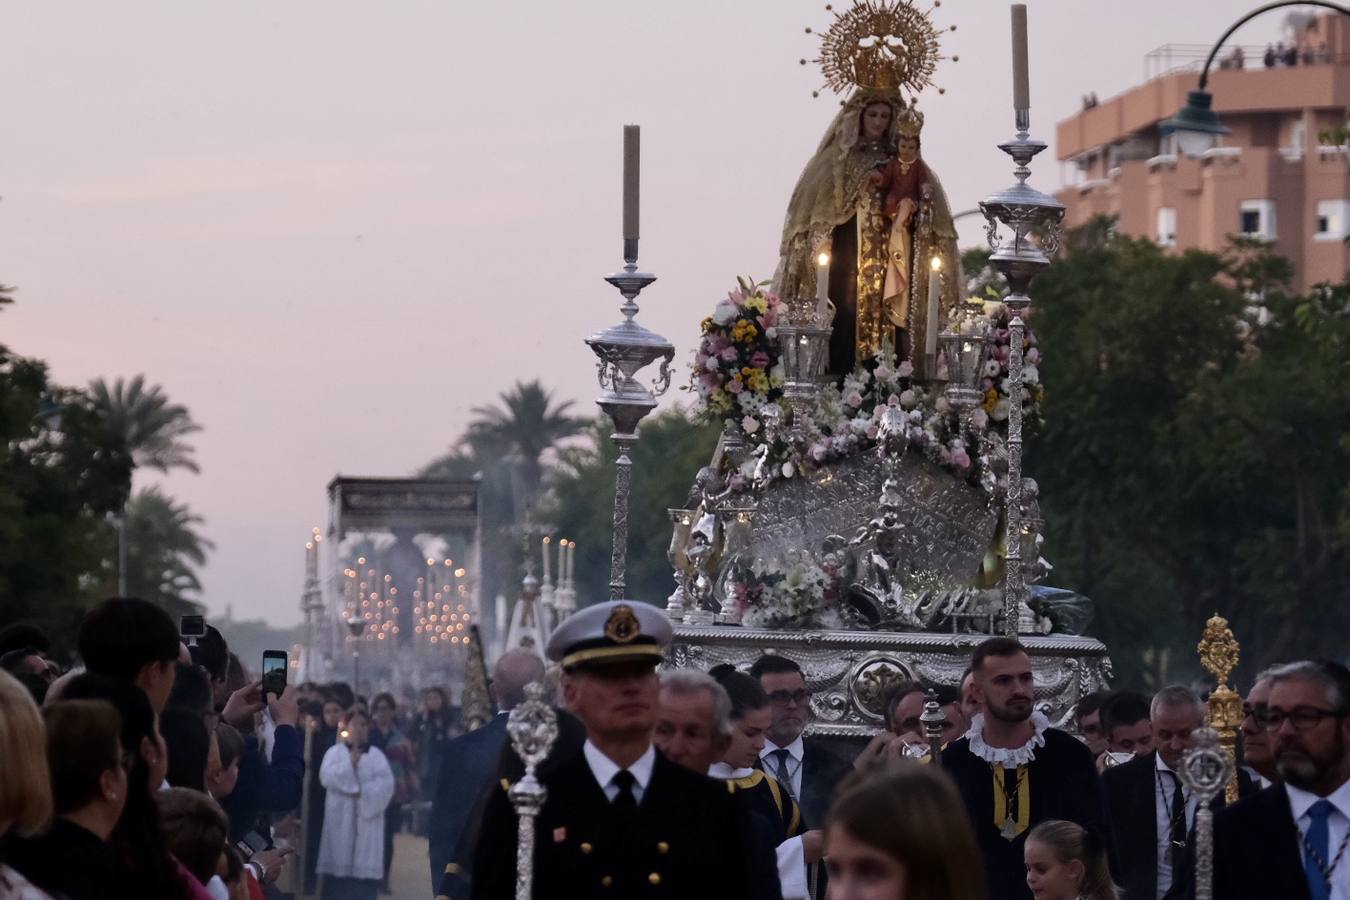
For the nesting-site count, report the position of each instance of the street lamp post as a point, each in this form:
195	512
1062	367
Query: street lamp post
1196	126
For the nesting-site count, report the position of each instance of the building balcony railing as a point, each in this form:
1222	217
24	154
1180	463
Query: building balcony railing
1169	59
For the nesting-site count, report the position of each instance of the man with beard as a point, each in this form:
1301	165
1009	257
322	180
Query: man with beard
1015	771
1289	840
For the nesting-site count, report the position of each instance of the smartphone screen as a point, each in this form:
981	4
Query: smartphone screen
192	626
274	672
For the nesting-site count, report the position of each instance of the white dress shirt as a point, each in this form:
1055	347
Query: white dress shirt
1163	787
604	769
1300	801
796	752
792	880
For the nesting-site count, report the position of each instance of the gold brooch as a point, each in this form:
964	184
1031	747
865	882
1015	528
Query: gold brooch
622	626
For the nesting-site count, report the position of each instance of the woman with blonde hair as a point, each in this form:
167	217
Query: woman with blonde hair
25	782
1065	861
896	832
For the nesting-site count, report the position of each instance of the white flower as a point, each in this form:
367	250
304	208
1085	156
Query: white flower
907	399
789	469
750	425
1031	375
906	369
992	368
771	332
979	419
724	312
1001	410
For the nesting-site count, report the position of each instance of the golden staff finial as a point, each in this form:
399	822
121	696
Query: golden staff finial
1219	654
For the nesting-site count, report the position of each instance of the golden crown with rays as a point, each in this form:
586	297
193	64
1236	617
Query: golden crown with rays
880	44
910	122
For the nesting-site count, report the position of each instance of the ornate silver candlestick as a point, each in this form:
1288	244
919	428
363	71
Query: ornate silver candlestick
683	522
533	727
623	350
1205	771
1034	219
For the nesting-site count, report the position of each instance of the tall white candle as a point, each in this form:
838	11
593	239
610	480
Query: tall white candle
934	306
571	562
822	285
547	541
562	563
1021	83
631	144
501	618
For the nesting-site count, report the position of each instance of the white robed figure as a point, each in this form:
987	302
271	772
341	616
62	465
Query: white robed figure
360	785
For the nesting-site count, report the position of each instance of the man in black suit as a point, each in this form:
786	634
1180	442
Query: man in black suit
1015	771
1151	813
1289	840
807	768
469	762
620	820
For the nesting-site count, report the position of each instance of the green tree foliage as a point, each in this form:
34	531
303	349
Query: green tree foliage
506	447
665	461
1194	452
164	550
58	482
147	423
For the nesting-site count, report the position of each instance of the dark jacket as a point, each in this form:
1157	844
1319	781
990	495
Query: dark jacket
68	861
468	764
1131	806
822	770
1257	853
1063	784
264	787
687	839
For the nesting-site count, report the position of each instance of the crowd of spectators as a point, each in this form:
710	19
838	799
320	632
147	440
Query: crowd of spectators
163	767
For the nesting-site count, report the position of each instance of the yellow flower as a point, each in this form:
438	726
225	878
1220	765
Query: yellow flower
757	381
757	303
744	331
990	400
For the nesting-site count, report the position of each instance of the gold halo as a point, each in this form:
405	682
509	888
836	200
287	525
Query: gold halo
886	44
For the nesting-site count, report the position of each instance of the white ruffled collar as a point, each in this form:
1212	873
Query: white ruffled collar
1008	758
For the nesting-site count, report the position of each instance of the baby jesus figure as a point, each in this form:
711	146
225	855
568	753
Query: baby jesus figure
905	181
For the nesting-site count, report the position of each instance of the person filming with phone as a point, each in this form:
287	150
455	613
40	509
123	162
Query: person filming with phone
360	785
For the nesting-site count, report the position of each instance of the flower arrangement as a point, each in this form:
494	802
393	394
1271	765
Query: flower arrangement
738	378
795	593
735	371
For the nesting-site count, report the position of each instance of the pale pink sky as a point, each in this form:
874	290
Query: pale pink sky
330	228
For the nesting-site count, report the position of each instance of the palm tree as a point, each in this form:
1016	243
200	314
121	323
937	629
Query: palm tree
526	425
152	428
165	551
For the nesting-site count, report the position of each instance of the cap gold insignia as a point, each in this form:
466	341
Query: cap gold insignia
622	626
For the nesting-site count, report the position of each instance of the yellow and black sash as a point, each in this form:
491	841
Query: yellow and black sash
1012	808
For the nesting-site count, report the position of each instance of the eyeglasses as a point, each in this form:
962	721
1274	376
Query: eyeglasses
783	698
1250	711
1303	718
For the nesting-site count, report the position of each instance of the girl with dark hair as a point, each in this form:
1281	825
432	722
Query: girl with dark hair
152	870
189	746
1066	862
431	729
398	750
895	833
768	800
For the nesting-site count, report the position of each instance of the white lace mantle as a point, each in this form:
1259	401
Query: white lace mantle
1008	758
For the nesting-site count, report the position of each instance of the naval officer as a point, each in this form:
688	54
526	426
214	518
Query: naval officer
621	820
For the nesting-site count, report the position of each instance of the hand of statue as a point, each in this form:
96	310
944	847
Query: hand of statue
906	210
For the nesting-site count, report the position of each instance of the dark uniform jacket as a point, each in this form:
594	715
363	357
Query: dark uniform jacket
1063	784
685	840
822	770
1131	805
1257	853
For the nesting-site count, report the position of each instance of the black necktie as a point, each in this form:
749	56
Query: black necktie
1177	837
781	773
624	781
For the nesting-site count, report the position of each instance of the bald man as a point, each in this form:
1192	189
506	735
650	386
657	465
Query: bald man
471	760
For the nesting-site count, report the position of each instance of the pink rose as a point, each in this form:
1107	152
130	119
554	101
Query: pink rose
960	459
906	369
854	399
734	386
750	424
729	354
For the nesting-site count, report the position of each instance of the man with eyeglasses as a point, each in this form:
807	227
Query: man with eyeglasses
1257	752
1150	810
1289	840
804	766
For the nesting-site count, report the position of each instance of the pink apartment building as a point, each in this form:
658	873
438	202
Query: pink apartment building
1270	178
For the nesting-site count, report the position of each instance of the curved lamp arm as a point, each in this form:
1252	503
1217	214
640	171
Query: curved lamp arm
1204	73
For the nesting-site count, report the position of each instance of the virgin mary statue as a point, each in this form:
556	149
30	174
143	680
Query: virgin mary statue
839	207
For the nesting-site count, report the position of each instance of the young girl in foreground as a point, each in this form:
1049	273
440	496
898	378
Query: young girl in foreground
1064	862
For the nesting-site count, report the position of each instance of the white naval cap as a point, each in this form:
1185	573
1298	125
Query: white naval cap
611	632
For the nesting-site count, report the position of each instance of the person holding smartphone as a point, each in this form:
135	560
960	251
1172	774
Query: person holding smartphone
359	785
